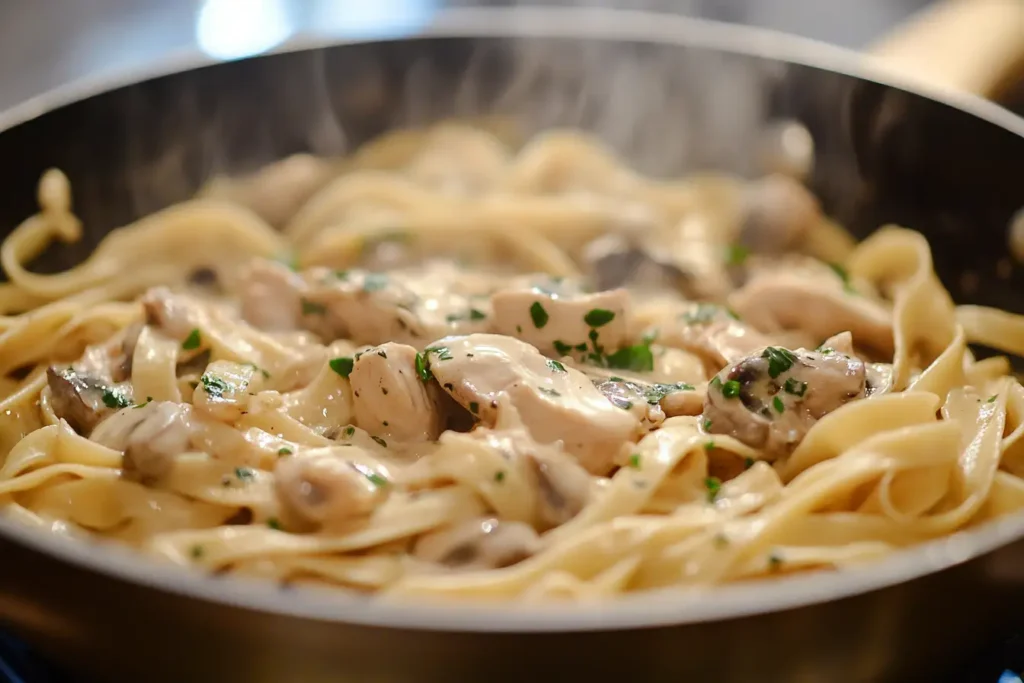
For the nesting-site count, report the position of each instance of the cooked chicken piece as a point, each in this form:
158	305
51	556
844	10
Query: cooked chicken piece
277	190
562	485
816	301
478	544
770	399
712	332
841	343
151	436
328	488
778	212
82	400
564	325
225	388
410	306
392	394
554	402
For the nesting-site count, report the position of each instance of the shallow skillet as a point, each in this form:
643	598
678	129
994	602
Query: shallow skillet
672	94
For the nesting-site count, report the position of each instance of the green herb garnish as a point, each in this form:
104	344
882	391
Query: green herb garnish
538	315
707	425
192	341
349	431
731	389
655	392
714	486
598	317
245	473
274	524
115	398
549	392
843	275
992	398
196	552
499	476
562	348
379	440
795	387
342	365
284	451
736	254
374	282
215	386
779	360
556	366
748	463
423	368
637	358
474	407
779	406
634	461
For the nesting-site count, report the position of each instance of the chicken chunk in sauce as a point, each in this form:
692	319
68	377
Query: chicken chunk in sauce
487	374
770	399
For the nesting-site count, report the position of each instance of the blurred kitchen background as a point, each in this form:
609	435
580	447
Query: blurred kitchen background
47	43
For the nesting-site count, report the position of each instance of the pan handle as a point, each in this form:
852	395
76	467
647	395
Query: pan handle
975	46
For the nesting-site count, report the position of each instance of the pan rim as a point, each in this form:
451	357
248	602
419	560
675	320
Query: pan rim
663	608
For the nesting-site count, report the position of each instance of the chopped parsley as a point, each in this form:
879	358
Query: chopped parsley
721	540
562	348
779	406
826	350
349	431
149	399
266	375
556	366
383	354
779	360
774	561
538	315
714	486
795	387
992	398
379	440
196	552
474	407
115	398
312	308
376	478
215	386
274	523
707	425
499	476
472	314
245	473
634	461
748	463
442	352
731	389
598	317
374	282
342	365
284	451
709	445
655	392
549	392
736	254
638	358
423	368
192	341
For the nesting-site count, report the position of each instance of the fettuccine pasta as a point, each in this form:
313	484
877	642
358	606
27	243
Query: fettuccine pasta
456	367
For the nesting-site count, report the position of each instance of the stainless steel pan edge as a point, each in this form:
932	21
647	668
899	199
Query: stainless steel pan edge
121	617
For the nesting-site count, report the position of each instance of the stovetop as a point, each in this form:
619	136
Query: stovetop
1002	663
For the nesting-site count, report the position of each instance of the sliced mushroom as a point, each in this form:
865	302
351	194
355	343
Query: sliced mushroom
151	435
632	397
328	488
554	402
813	300
83	400
563	324
392	397
478	544
122	371
770	399
778	212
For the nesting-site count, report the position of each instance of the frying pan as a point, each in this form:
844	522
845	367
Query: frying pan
672	95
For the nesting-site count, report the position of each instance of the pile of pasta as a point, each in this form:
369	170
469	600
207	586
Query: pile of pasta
939	451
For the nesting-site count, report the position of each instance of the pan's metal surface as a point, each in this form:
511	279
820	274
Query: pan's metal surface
672	95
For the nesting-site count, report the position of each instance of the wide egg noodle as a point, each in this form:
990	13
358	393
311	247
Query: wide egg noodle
936	450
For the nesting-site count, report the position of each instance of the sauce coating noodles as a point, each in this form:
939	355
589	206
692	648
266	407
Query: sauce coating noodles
452	366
